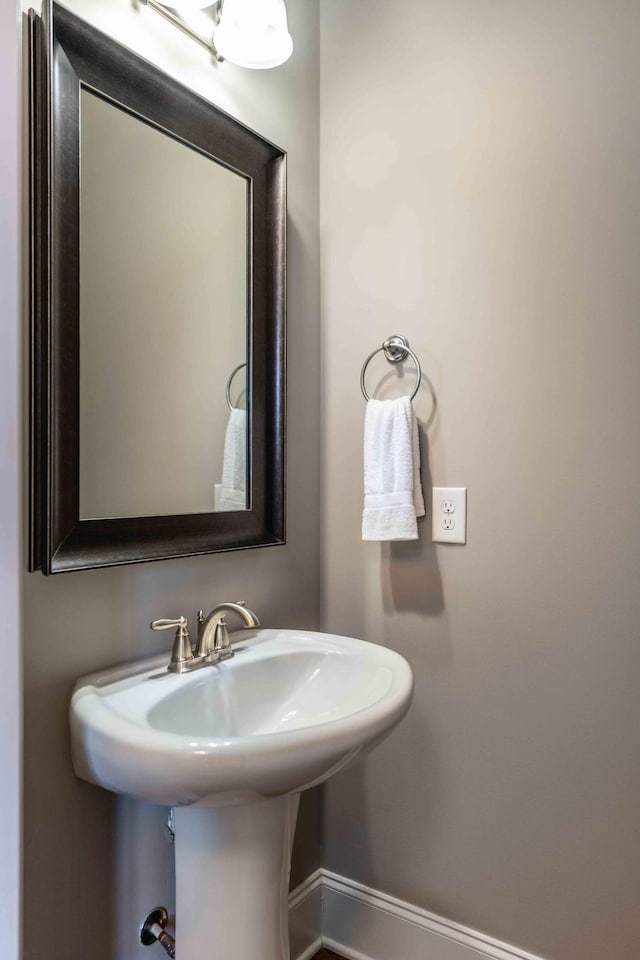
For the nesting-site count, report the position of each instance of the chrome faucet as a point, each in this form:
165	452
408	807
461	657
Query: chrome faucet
213	635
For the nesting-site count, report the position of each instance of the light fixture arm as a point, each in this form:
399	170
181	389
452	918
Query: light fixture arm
168	14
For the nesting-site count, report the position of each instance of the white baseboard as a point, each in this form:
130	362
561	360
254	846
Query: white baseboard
305	917
365	924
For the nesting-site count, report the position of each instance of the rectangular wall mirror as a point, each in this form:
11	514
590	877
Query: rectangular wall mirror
158	320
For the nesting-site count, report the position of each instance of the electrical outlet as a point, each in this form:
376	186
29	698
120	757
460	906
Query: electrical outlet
449	514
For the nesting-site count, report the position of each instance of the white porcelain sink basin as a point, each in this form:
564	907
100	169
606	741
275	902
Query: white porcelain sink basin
290	709
231	747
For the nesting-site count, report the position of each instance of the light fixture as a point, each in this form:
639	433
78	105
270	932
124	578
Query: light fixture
253	33
248	33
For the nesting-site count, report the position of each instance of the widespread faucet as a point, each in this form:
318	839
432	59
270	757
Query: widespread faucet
213	635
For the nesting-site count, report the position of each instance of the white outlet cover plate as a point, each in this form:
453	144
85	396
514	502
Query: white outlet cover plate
449	504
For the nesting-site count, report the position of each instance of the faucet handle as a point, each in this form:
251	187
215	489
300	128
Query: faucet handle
182	654
221	642
167	624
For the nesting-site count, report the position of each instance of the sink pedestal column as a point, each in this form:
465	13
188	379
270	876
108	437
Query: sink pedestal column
232	880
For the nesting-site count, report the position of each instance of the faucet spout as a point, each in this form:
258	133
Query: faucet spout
213	637
240	607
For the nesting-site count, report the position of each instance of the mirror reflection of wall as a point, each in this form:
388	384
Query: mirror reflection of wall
163	322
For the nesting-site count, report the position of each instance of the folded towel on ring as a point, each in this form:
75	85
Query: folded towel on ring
392	485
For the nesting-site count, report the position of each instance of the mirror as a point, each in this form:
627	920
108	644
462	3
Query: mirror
157	348
163	249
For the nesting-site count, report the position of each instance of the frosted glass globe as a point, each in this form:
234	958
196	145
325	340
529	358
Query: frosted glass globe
253	33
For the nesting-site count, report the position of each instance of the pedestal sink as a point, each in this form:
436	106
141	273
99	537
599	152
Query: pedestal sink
230	747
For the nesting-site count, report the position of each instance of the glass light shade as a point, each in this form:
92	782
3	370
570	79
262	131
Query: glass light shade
179	5
253	33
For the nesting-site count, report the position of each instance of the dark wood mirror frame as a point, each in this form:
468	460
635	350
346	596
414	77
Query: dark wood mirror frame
66	56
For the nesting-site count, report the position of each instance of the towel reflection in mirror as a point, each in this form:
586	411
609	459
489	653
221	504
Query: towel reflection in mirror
231	492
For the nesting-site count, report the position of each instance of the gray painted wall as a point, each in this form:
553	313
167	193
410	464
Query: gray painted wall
93	863
480	194
10	532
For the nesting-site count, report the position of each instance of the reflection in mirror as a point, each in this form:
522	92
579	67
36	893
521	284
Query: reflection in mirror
163	322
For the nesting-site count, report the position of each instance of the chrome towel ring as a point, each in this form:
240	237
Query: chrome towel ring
396	349
229	381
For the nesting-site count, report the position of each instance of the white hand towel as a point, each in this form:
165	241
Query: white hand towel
231	492
392	487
